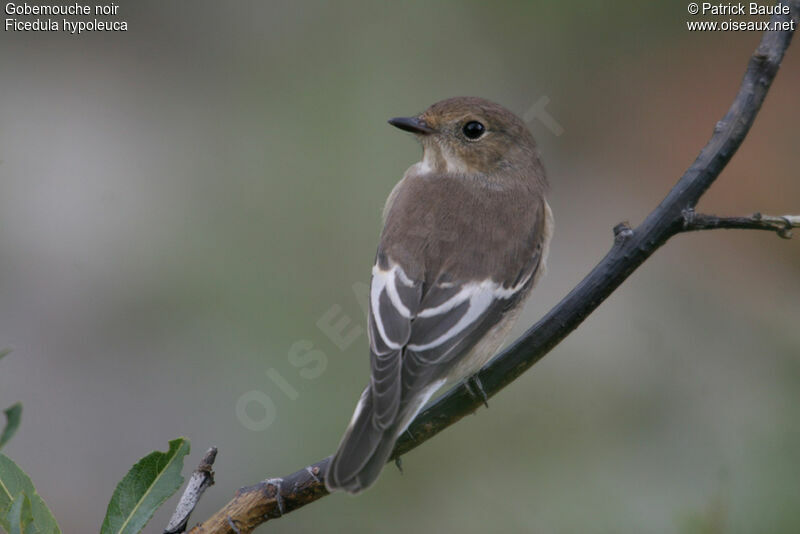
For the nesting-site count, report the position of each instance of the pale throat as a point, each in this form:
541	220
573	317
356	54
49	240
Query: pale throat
438	159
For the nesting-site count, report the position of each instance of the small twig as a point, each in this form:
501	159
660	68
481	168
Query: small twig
202	478
781	224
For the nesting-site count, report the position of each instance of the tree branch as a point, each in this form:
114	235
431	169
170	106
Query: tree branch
272	498
202	479
781	224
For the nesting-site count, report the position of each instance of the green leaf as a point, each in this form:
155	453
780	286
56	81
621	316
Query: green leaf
14	481
14	516
13	415
147	485
20	516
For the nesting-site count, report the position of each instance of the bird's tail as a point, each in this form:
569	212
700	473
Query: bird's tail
364	450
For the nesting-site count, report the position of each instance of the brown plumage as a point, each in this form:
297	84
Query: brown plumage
465	238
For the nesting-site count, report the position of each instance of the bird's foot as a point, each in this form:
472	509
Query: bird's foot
475	381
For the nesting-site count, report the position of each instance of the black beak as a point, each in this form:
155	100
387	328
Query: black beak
411	124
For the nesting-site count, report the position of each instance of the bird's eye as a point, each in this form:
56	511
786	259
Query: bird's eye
473	129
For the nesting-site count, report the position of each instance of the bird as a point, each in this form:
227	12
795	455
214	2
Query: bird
465	237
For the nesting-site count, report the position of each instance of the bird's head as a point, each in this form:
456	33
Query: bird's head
471	136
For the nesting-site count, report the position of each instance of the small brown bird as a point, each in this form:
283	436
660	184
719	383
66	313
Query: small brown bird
465	239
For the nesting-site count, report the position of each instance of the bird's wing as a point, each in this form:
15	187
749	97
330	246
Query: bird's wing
393	303
417	330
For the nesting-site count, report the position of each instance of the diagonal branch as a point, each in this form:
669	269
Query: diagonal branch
272	498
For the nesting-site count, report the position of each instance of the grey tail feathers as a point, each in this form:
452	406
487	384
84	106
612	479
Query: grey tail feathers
364	450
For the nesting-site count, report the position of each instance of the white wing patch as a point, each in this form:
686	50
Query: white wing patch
387	280
480	296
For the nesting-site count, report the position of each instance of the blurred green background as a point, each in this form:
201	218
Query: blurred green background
181	203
